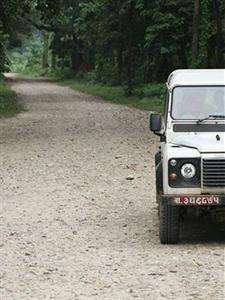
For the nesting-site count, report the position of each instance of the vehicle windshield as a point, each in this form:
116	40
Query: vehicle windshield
194	103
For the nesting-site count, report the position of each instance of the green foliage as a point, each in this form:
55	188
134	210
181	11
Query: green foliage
149	97
169	36
3	57
116	42
13	25
27	60
114	30
132	42
8	102
104	73
207	28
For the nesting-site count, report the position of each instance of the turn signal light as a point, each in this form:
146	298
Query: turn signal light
173	177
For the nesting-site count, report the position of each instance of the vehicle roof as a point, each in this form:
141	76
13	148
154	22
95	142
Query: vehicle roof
196	77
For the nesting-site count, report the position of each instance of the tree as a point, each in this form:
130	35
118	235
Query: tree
195	31
12	23
220	41
124	42
168	36
60	17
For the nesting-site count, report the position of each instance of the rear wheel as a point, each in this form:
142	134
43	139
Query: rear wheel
169	223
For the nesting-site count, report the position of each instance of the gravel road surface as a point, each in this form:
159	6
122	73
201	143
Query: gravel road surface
72	225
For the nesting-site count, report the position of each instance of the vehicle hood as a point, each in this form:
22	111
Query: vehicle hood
204	142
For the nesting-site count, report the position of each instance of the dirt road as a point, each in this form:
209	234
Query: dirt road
73	226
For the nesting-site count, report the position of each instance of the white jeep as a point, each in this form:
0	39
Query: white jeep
190	166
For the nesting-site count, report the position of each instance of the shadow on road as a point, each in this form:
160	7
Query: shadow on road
202	230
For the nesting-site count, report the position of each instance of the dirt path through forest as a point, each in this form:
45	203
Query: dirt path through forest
73	226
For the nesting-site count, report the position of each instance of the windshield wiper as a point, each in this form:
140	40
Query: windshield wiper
214	117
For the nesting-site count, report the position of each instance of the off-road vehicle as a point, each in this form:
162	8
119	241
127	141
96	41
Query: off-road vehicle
190	166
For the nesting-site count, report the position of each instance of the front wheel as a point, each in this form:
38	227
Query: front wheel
169	217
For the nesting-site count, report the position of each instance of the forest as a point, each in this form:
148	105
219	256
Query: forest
112	42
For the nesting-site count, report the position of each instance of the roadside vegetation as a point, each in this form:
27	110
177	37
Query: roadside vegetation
145	96
148	97
8	100
124	49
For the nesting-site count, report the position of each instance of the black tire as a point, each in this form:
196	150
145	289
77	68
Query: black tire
169	223
159	178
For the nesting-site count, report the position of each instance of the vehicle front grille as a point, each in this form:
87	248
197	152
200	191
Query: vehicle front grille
213	173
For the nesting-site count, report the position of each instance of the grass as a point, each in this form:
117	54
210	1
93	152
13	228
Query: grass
8	100
148	97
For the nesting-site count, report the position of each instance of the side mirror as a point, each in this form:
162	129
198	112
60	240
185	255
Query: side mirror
155	122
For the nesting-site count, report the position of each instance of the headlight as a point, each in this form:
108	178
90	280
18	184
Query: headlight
188	171
184	172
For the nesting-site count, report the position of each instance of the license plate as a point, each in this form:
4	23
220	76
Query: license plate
197	201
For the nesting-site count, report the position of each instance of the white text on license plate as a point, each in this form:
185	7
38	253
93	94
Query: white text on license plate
197	201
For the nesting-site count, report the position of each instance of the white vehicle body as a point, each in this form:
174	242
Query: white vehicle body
190	166
203	145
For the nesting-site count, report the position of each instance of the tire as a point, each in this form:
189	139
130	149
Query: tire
159	179
169	223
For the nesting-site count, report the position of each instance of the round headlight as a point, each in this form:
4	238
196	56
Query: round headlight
188	171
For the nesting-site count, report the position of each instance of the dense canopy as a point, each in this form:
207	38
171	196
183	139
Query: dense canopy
120	41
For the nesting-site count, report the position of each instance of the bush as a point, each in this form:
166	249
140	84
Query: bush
8	101
106	74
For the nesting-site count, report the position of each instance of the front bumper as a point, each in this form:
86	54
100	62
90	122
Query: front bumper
194	200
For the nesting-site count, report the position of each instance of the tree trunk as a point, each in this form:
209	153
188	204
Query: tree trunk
130	69
120	60
45	50
76	61
2	57
219	36
130	62
53	63
211	53
195	31
182	57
